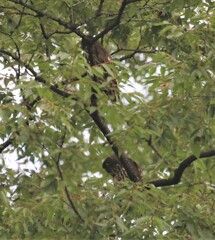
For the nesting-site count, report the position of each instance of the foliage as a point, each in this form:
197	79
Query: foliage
163	48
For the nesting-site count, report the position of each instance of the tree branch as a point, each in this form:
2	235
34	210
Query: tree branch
72	204
134	53
36	76
118	18
180	170
5	145
105	130
98	12
57	161
29	106
149	141
72	27
115	23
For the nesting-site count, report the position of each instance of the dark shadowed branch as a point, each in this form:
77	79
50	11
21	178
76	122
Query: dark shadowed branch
180	170
56	160
4	145
117	19
72	204
105	130
99	10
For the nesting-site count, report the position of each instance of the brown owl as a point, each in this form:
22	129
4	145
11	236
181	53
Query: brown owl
101	56
113	166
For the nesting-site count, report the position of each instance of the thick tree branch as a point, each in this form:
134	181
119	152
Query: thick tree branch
129	166
118	18
105	130
98	12
180	170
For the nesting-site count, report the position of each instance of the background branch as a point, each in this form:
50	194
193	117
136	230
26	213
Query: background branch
60	173
72	27
36	76
116	22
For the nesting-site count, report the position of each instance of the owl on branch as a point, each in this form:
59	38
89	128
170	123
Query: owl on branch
113	166
97	56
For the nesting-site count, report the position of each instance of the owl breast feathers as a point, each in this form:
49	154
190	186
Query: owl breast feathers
113	166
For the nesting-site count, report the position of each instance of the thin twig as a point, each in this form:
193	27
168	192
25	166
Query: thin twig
57	161
36	76
72	204
149	141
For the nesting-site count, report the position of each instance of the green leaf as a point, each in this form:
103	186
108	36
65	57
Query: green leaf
120	224
196	149
3	198
109	70
44	92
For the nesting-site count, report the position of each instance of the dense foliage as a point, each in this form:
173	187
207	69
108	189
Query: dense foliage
56	117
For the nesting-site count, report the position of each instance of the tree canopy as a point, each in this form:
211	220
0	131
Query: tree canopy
60	63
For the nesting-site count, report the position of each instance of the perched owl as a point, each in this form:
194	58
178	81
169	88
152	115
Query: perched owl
99	55
113	166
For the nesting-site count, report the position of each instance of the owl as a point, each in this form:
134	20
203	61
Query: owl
99	56
113	166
